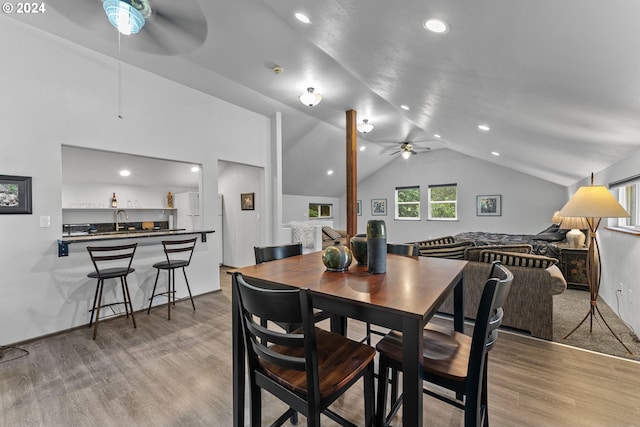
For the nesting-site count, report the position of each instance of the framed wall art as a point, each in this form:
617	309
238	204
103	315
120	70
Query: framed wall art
359	207
490	205
378	206
246	201
15	194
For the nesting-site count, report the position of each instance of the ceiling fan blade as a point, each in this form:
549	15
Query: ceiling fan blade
395	152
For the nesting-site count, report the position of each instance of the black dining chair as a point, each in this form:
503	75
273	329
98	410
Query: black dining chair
451	360
404	249
309	368
111	262
178	254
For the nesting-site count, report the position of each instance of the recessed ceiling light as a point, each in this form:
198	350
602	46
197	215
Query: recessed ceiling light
195	169
495	153
125	172
404	107
329	172
436	135
363	147
303	18
484	128
436	26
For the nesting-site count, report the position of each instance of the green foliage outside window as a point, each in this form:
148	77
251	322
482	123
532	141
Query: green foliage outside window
408	203
320	210
443	202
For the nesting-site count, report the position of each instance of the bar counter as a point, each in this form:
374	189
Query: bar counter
64	242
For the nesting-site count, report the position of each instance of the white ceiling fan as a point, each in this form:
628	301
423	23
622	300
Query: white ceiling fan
168	27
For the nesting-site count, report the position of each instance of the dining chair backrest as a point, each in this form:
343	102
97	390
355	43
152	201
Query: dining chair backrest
179	251
405	249
281	306
271	253
108	260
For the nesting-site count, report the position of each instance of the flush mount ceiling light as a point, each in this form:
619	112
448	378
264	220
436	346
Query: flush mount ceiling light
310	98
128	16
436	26
365	126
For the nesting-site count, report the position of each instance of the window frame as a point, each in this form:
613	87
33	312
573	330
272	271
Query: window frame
430	203
628	195
398	204
319	207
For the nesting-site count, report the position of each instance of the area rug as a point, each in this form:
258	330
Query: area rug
568	310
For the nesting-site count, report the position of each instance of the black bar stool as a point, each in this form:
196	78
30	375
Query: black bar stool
173	249
111	262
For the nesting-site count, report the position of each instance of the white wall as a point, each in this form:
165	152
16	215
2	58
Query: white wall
527	203
620	284
60	93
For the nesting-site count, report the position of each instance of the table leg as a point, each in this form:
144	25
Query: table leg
238	359
458	305
412	345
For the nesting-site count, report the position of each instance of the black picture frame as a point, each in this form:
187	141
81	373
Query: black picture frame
489	205
359	207
15	194
247	201
378	207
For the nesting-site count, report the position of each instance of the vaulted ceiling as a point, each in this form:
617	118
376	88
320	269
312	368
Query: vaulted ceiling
557	82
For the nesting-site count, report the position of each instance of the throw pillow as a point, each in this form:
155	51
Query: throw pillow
331	233
439	241
518	260
302	232
451	251
473	253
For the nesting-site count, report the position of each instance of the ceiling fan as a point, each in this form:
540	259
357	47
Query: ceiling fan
407	149
169	27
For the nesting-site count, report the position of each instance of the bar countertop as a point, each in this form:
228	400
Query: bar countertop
63	243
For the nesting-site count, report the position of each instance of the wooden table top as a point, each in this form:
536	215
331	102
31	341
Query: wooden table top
411	285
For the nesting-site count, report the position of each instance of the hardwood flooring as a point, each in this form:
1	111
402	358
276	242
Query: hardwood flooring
178	373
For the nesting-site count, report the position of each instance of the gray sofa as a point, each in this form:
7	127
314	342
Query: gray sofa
536	279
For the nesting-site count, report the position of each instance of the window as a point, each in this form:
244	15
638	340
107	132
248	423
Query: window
443	202
408	203
629	198
320	210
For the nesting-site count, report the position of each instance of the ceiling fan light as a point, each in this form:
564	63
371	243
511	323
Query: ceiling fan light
122	15
406	154
365	126
310	98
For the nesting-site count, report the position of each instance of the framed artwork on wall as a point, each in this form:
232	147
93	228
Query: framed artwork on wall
378	206
246	201
359	207
15	194
489	205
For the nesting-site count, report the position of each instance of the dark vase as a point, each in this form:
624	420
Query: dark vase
376	246
336	258
359	248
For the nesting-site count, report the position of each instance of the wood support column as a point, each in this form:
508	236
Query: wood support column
352	174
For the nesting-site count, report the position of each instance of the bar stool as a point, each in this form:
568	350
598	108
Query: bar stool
111	262
173	248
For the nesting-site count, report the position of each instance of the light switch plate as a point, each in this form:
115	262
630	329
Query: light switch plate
45	221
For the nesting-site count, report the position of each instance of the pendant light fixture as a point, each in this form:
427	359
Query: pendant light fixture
310	98
365	126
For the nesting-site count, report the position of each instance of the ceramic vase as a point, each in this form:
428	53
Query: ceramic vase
359	248
376	246
337	258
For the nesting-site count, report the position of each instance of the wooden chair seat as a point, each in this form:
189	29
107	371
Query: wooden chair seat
339	359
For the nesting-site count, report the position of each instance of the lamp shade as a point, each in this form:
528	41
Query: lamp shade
122	15
593	201
310	98
574	222
556	218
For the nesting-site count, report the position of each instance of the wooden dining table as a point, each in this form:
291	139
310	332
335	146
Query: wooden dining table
404	299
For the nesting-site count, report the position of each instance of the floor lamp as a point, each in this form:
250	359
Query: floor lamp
594	202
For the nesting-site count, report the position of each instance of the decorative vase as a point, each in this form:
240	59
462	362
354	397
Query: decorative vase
376	246
336	258
359	248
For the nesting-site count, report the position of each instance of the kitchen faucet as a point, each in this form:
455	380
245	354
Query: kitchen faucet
116	215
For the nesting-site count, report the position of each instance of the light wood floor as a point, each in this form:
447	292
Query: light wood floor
178	373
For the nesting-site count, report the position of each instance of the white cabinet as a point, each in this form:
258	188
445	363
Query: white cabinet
187	210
